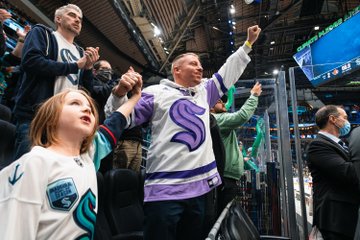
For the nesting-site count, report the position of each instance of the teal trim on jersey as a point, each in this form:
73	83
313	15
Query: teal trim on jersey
102	148
85	215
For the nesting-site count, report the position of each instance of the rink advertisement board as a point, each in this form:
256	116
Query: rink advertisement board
333	52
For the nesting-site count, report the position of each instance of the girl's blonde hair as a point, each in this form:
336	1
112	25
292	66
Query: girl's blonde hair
43	126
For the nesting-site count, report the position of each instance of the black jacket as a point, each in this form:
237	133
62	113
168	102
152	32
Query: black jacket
335	187
39	69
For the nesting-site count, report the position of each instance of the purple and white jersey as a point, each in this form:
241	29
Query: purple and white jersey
181	162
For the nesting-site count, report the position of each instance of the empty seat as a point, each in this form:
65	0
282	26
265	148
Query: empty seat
102	228
123	209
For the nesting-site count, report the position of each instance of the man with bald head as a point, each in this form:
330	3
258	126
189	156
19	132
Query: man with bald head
335	182
180	166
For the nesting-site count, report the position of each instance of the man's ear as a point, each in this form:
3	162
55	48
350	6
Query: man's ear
332	119
57	19
176	69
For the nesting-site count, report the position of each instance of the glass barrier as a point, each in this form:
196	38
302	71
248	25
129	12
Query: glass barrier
340	87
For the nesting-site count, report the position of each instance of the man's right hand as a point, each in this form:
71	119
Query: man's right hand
253	33
256	90
127	82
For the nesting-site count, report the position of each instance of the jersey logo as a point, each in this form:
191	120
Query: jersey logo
62	194
184	113
15	178
85	215
68	57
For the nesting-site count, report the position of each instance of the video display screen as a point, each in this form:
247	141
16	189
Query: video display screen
334	54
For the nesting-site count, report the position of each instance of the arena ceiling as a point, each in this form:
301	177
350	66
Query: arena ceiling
124	31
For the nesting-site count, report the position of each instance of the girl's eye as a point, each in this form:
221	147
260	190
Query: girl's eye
74	103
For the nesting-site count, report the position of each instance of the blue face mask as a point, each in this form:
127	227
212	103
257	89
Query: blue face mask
345	129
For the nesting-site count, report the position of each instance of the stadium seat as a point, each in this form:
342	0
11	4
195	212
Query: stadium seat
7	143
240	226
357	233
235	224
102	228
123	209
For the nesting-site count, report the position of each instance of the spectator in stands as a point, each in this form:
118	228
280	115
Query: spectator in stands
10	69
180	168
103	84
51	192
51	62
3	16
128	150
228	123
335	182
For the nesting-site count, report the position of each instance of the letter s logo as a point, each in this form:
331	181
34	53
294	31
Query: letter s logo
85	215
184	113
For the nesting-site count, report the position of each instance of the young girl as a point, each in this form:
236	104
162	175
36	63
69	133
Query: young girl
51	192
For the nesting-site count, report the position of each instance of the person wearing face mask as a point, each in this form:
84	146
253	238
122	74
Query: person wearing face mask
336	191
102	85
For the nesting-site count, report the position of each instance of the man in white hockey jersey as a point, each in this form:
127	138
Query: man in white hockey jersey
181	167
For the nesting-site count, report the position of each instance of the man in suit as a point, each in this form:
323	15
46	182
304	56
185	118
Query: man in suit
335	182
354	148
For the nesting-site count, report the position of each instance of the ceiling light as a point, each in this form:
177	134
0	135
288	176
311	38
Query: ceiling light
272	42
215	28
275	72
157	31
232	9
316	28
249	1
234	27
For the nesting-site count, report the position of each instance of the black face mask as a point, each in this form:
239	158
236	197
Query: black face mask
104	75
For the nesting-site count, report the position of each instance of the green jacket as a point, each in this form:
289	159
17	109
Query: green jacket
228	122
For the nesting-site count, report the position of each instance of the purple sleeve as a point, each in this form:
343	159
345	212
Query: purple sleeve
144	109
212	92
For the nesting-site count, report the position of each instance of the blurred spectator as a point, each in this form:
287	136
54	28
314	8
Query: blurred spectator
4	14
10	69
128	150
